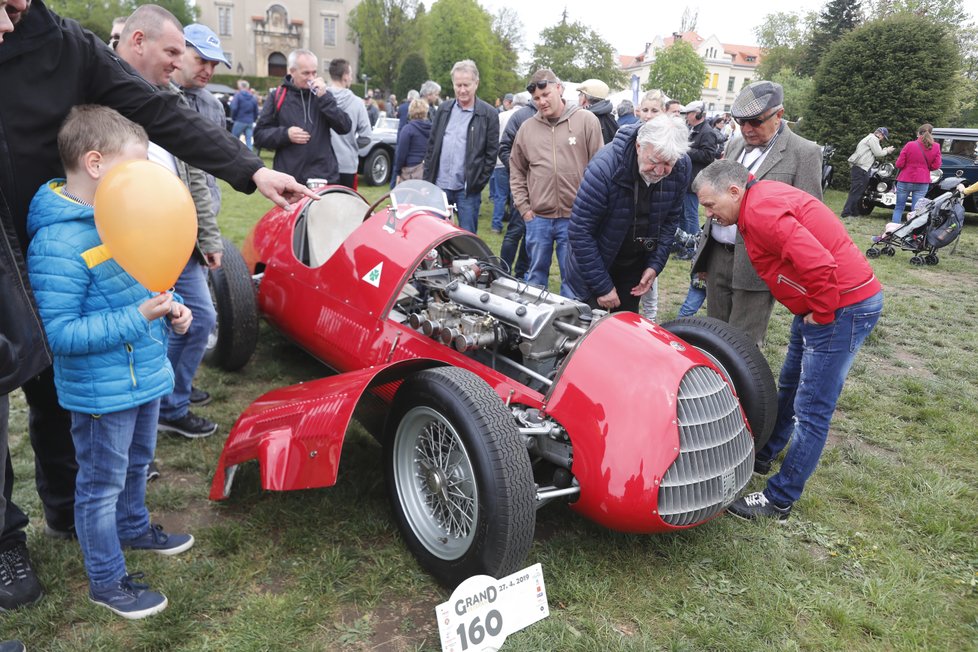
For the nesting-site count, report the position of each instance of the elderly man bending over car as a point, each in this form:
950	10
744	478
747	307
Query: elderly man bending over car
807	259
625	216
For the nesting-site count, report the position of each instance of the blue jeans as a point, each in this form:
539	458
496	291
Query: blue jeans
499	194
187	350
690	220
541	235
245	128
513	249
815	368
113	451
916	191
694	301
467	205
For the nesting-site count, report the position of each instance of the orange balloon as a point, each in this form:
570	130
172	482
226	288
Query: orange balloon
146	217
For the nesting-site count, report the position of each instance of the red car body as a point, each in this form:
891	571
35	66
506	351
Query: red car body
617	394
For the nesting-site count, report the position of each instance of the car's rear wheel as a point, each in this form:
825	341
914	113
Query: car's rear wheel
458	476
377	167
743	364
865	206
233	341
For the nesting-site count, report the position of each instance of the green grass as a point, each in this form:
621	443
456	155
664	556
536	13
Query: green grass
880	553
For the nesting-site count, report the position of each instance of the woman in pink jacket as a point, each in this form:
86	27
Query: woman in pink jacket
916	160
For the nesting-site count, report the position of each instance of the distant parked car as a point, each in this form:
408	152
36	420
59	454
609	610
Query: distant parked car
377	156
959	158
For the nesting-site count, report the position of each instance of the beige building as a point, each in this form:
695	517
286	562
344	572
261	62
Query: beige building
728	67
257	35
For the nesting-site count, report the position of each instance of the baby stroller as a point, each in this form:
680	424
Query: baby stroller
933	224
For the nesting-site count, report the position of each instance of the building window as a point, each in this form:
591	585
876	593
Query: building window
230	57
329	31
730	84
726	108
224	21
716	80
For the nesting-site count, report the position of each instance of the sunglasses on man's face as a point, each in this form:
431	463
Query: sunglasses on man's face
756	122
540	85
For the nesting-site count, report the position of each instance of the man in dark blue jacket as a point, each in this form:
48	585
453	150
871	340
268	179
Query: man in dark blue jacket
463	145
244	112
626	213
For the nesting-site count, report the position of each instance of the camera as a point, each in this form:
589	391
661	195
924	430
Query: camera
649	244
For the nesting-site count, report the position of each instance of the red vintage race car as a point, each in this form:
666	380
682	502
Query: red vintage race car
501	396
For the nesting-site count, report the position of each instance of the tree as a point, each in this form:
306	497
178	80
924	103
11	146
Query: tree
688	24
97	16
899	72
797	92
576	52
387	31
783	37
678	71
837	18
413	73
462	29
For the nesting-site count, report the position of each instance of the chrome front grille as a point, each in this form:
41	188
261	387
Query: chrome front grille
716	451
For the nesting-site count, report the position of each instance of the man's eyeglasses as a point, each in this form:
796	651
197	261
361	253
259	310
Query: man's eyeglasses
540	85
756	122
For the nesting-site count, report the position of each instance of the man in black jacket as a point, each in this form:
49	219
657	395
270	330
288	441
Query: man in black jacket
592	94
703	144
296	120
463	145
47	65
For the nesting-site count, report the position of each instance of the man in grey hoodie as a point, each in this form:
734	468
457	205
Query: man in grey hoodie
347	146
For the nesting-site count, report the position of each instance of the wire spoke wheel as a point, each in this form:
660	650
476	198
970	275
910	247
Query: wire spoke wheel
435	482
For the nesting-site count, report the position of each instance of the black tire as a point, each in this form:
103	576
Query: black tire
916	261
377	167
889	251
449	420
931	259
743	364
865	206
872	252
235	337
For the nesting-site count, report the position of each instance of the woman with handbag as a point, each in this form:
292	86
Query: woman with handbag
412	142
916	160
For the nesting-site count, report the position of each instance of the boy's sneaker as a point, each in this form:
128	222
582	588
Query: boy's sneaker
19	585
199	397
12	646
157	540
129	599
189	425
756	505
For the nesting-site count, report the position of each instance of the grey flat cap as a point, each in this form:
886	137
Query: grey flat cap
757	98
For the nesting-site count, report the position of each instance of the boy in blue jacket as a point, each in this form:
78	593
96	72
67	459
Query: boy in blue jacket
108	335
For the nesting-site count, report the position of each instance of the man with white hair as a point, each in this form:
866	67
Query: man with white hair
463	145
626	213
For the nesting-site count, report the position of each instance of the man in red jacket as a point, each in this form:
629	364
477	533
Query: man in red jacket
806	257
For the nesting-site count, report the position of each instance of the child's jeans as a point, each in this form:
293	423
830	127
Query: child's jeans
113	451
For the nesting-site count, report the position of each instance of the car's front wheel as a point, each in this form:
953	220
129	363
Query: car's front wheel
458	476
739	359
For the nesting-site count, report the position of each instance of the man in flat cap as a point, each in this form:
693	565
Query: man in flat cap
867	151
592	94
769	150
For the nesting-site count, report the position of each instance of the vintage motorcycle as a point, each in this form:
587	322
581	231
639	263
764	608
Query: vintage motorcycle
828	151
881	189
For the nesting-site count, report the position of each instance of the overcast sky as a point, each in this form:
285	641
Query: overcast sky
628	25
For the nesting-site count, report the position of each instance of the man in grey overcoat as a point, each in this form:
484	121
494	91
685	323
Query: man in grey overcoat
769	150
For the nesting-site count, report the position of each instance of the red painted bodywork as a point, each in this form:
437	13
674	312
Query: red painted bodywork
615	396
